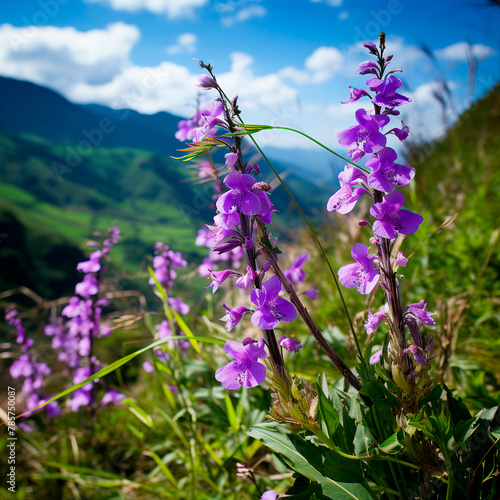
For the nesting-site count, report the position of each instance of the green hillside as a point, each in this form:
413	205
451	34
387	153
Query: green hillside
52	209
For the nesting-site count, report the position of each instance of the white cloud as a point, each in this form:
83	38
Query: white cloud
320	66
323	63
172	8
332	3
458	52
343	15
61	57
243	15
185	43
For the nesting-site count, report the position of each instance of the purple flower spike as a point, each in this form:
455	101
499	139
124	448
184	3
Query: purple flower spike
385	173
233	316
365	137
239	198
271	308
289	344
362	275
344	200
245	369
421	315
392	218
355	95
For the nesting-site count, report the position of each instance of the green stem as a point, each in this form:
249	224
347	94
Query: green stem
269	127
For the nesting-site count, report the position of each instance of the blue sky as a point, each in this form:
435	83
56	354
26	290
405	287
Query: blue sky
289	61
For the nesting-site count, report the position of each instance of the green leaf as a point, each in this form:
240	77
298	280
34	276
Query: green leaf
393	444
164	468
458	410
139	412
286	445
231	413
328	414
116	364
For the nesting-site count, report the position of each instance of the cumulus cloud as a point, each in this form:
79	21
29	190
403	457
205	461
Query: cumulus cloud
61	57
185	43
458	52
171	8
320	66
243	15
323	63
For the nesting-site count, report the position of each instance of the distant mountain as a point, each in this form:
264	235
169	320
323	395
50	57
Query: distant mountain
67	170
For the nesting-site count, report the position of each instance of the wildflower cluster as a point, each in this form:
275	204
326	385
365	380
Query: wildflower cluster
379	179
165	262
74	337
28	368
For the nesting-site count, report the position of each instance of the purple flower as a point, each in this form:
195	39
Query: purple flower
392	218
87	287
365	137
80	398
187	128
178	305
231	159
233	316
386	97
269	495
208	120
112	396
374	320
344	200
312	293
89	266
271	308
218	277
417	354
367	67
385	173
245	369
240	197
355	95
401	260
22	367
421	315
247	280
266	207
362	274
289	344
400	133
206	82
295	273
